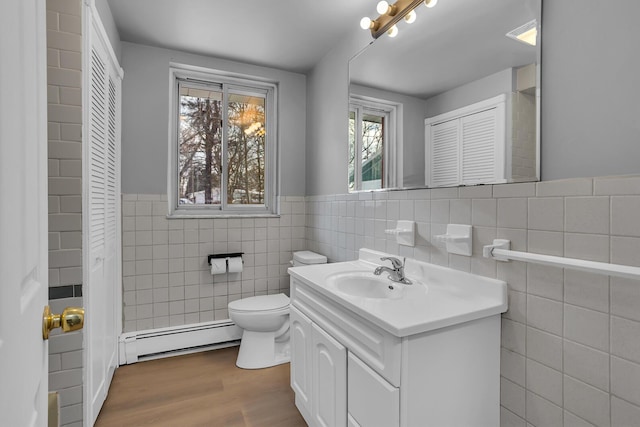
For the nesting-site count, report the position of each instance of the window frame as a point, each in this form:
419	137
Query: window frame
392	139
230	83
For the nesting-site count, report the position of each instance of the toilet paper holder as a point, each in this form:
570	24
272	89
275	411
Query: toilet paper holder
229	255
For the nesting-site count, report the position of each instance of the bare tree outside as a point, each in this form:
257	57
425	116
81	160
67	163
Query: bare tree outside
371	149
201	168
246	149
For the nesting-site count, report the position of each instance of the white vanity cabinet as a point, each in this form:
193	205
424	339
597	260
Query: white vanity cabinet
321	368
348	371
329	380
301	362
372	400
318	373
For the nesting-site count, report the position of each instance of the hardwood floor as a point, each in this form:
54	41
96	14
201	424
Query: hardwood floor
201	389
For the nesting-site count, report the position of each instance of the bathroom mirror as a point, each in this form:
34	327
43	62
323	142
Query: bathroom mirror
416	98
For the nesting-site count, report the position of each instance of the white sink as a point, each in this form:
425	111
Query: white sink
438	297
365	284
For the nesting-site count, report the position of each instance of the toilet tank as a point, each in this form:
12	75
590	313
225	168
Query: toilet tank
307	258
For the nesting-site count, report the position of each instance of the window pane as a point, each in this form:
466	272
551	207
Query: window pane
199	146
246	149
352	150
372	151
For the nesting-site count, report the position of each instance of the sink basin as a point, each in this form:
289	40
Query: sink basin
439	296
365	284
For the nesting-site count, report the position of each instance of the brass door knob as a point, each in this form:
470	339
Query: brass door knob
71	319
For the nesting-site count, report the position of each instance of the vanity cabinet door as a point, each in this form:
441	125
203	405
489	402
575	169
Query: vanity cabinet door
373	401
301	361
329	380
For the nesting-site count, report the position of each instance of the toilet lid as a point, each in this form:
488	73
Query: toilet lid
308	257
260	303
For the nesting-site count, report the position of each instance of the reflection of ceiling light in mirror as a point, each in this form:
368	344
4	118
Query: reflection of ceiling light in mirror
393	31
411	17
527	33
430	3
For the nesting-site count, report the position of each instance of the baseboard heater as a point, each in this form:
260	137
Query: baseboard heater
163	342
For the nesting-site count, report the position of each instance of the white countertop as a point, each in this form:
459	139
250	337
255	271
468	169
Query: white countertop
439	296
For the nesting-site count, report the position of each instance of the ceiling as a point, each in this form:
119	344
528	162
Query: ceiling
286	34
456	42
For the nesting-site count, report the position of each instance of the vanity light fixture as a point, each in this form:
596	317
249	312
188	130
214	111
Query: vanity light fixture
526	33
411	17
390	15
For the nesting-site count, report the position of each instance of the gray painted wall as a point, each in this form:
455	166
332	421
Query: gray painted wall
110	26
470	93
327	116
590	106
589	103
145	114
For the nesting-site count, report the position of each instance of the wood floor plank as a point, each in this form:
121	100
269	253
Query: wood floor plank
201	389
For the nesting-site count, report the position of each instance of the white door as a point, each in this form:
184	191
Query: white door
23	213
101	214
329	396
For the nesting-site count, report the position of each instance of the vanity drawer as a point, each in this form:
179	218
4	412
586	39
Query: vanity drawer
377	348
372	401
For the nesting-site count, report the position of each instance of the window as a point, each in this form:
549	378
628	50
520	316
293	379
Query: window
372	144
222	145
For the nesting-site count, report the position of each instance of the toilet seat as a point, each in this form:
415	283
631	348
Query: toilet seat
262	303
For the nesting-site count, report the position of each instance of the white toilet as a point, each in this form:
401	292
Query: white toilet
265	321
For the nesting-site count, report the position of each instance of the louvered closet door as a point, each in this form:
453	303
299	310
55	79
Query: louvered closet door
103	206
444	154
478	142
112	256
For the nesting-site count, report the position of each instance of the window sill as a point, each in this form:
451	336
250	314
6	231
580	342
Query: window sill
221	216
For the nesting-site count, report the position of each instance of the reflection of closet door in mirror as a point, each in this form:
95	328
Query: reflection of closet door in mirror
467	146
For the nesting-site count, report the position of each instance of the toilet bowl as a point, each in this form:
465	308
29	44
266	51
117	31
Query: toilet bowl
265	337
265	323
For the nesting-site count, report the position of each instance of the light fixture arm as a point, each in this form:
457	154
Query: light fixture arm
385	21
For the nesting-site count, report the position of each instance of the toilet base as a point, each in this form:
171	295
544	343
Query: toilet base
262	350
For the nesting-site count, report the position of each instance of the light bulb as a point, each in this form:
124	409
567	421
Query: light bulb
393	31
365	23
411	17
382	7
430	3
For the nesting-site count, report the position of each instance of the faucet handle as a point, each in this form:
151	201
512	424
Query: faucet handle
397	264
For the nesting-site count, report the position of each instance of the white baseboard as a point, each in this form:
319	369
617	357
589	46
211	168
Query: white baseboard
174	340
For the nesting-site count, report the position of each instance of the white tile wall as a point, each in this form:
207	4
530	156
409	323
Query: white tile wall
523	136
166	278
570	340
64	73
64	78
65	367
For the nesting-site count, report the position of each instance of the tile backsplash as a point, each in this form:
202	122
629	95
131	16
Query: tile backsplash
570	340
166	278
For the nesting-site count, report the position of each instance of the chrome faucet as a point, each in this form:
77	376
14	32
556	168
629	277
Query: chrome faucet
396	274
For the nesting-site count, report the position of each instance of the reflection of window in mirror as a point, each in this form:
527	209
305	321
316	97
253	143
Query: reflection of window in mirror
371	143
